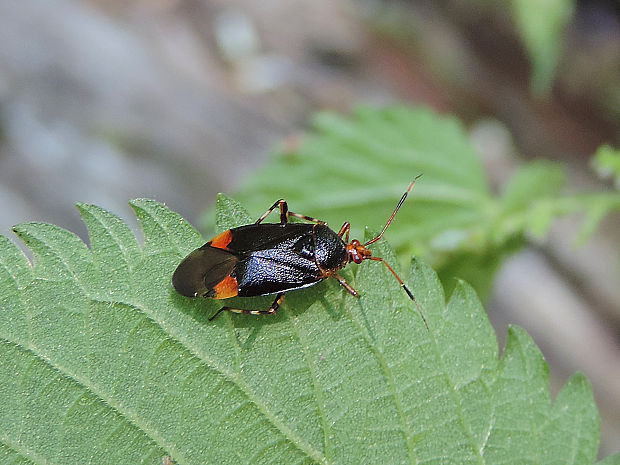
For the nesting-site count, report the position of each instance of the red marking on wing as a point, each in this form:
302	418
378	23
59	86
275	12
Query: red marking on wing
227	287
222	240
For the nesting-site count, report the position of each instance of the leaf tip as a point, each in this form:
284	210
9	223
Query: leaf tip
21	229
141	202
85	208
579	382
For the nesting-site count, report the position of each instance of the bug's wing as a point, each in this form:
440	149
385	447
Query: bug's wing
202	270
274	270
245	240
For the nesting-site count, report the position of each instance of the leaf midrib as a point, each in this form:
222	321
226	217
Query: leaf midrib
132	417
245	388
91	387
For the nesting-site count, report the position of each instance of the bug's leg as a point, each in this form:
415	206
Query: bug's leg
307	218
345	230
346	285
274	306
283	211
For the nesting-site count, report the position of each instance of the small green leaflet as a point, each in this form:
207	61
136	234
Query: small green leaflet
102	362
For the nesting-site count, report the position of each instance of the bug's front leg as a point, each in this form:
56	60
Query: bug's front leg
346	285
345	230
274	306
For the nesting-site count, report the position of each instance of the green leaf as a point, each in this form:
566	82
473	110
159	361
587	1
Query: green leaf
102	362
530	203
541	25
606	162
356	169
522	208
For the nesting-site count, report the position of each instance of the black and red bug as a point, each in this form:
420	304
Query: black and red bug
274	258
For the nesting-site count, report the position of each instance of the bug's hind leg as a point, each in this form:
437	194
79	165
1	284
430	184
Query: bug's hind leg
283	211
274	306
307	218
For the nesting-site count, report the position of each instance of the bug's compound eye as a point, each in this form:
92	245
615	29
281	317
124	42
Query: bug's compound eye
356	251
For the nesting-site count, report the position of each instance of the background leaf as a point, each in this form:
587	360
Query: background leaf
355	169
541	25
606	162
102	362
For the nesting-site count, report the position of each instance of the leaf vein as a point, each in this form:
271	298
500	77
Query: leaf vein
318	395
91	387
387	372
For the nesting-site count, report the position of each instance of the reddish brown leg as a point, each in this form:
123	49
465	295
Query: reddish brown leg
346	285
345	230
307	218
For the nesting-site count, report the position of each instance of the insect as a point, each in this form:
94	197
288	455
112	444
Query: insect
274	258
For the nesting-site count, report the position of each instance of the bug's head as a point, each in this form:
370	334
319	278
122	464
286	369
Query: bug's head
357	252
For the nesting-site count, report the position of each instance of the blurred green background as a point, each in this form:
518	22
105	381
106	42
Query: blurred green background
337	105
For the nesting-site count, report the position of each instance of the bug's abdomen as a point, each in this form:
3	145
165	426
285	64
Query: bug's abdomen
274	270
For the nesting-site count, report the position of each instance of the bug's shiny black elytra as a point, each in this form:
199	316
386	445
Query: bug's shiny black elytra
273	258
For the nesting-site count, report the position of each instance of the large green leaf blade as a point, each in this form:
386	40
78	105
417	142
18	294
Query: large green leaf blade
521	398
15	274
114	249
329	379
49	418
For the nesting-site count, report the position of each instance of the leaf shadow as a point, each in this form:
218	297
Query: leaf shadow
248	327
198	309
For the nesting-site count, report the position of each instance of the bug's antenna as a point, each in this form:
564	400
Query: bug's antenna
402	199
402	284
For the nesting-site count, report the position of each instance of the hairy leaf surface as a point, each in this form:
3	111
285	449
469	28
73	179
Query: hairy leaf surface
102	362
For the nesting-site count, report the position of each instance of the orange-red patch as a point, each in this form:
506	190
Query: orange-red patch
227	287
221	241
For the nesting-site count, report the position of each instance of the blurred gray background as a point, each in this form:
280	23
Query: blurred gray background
104	101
